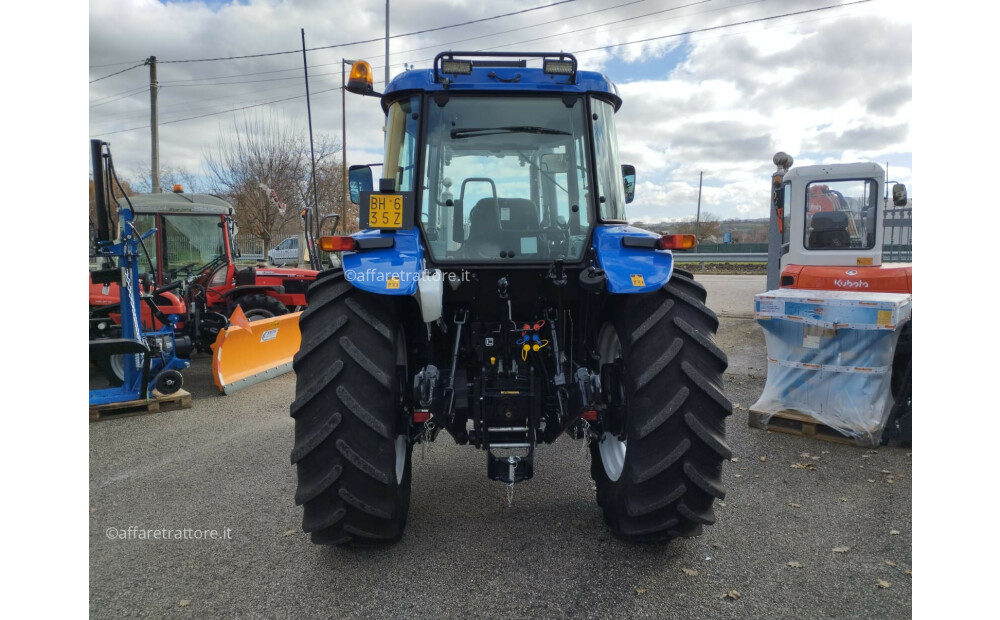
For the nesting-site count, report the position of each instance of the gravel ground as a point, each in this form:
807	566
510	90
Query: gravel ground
223	465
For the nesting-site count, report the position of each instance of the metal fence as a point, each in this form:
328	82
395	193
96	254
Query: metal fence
897	240
250	247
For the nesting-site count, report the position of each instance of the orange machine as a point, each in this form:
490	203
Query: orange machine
831	224
832	228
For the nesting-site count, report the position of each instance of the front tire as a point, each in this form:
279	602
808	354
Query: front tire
261	306
658	477
352	454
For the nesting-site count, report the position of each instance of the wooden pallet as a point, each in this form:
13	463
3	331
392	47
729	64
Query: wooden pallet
179	400
799	424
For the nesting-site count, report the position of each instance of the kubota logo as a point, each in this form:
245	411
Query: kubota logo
850	283
852	272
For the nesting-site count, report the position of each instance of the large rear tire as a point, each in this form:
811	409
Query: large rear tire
659	477
351	450
899	425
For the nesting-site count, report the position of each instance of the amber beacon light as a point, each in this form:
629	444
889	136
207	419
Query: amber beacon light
360	81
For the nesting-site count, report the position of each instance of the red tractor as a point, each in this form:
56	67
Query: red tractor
188	270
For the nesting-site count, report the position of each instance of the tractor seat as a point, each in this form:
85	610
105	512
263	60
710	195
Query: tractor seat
828	230
490	218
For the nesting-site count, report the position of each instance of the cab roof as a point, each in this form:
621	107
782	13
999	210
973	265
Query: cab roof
172	202
492	76
856	170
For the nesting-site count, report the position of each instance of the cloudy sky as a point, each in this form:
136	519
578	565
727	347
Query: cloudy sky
709	86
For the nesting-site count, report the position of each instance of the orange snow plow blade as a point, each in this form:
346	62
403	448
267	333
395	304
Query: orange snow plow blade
248	352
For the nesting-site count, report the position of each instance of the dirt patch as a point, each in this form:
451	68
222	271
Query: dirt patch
726	269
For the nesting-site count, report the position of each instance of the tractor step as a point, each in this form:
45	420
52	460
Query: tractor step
179	400
794	423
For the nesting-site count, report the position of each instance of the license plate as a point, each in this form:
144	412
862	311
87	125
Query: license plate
385	211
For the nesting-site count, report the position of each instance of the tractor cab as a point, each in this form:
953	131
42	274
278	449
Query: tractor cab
535	202
191	237
833	227
497	172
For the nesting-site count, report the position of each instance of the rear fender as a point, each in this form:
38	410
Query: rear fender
631	270
250	289
389	271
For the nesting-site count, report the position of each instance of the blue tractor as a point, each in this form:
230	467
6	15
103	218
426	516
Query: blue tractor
496	292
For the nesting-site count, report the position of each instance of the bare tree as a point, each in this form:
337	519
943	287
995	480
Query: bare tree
329	179
708	229
141	179
262	149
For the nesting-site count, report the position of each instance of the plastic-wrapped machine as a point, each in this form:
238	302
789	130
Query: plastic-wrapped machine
829	356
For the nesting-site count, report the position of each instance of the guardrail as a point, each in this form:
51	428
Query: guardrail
892	254
720	257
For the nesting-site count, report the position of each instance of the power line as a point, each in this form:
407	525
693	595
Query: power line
183	107
495	34
118	72
397	36
627	19
710	28
569	32
124	95
220	77
695	31
191	118
178	82
115	64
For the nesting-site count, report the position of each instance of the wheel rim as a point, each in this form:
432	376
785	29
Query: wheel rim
611	448
400	458
401	440
117	363
258	313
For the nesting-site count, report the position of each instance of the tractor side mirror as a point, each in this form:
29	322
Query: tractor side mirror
899	195
359	179
628	178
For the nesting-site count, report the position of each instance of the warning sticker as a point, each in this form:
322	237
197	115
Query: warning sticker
638	280
392	283
771	307
270	334
884	317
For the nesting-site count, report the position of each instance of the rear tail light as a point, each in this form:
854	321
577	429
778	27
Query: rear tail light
676	242
338	244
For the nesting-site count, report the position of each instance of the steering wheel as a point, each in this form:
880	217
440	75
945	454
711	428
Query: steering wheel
556	240
176	271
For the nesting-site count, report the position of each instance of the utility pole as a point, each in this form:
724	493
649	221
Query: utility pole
154	130
343	144
386	46
697	219
312	151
